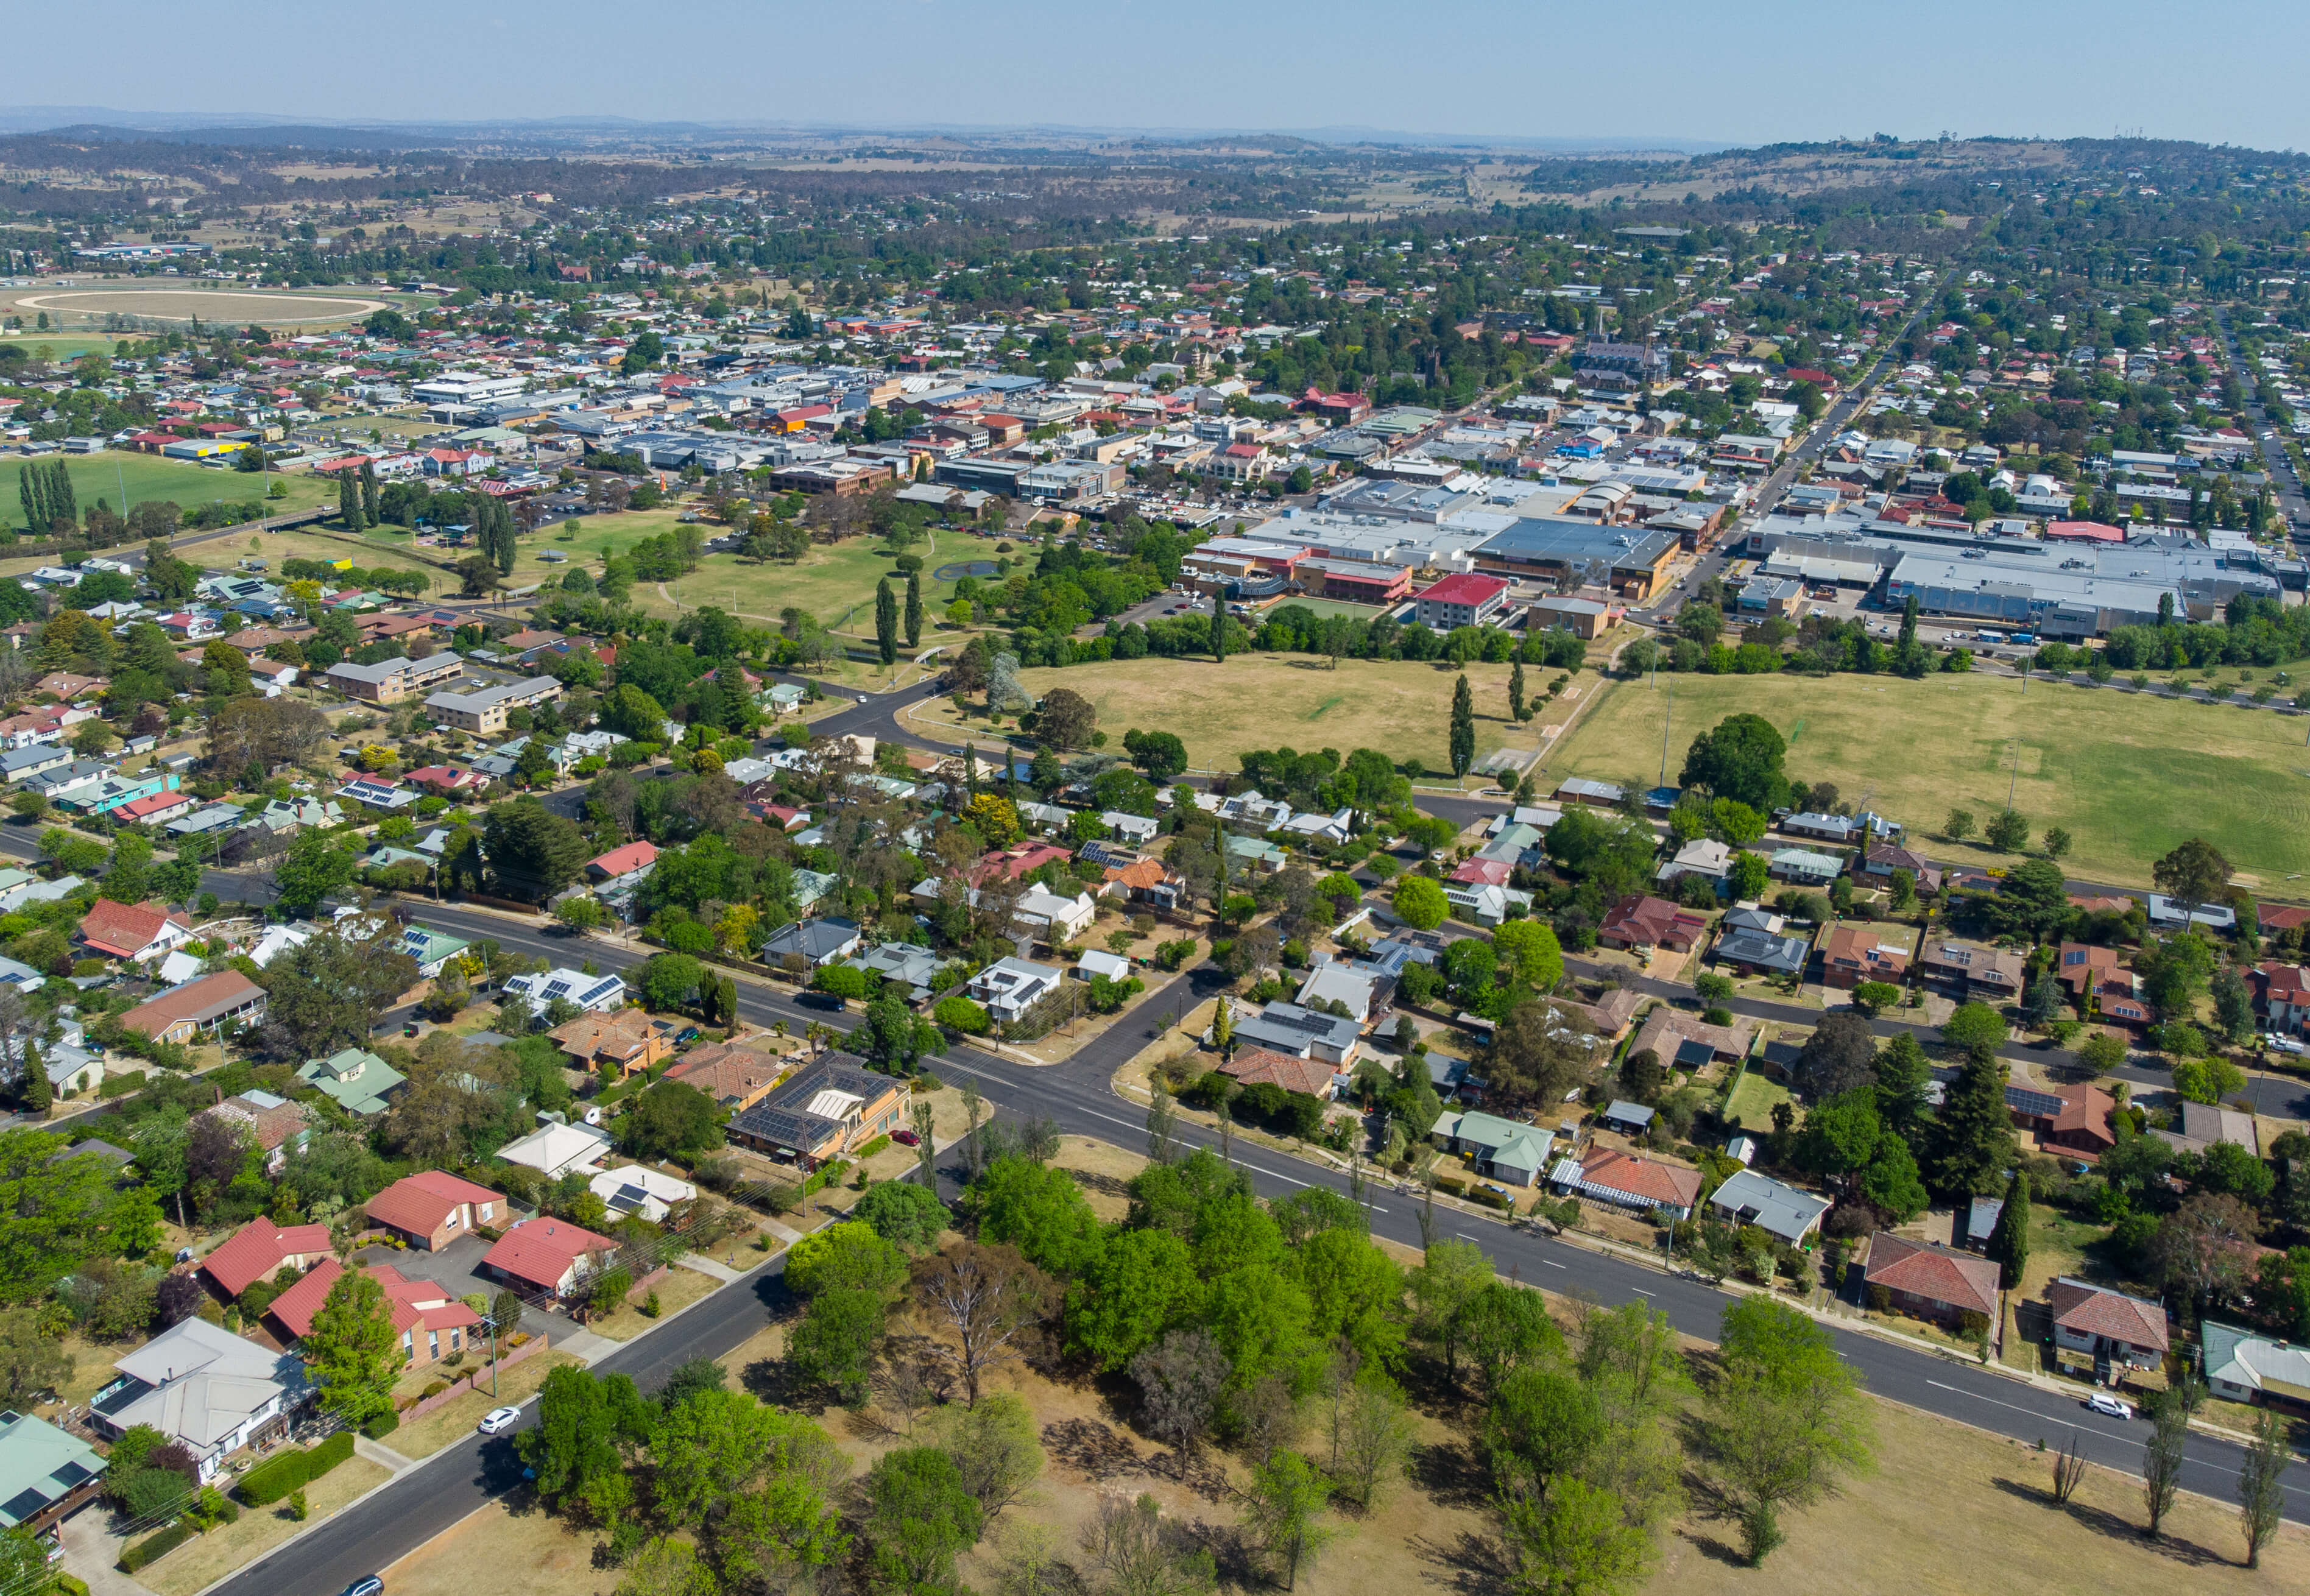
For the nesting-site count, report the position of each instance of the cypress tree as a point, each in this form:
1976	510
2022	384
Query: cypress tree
368	493
1908	620
729	1000
1463	728
36	1093
348	502
886	622
914	609
31	492
1515	691
2009	1238
502	519
1218	626
62	504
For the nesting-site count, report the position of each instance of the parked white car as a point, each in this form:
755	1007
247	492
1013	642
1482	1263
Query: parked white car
2101	1401
2279	1042
500	1418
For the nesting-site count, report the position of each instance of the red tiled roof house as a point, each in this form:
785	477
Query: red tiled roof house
1624	1180
432	1322
430	1210
546	1254
1641	921
259	1249
2095	1321
136	931
1926	1281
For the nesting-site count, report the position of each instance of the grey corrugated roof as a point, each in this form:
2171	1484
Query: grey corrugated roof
1761	1201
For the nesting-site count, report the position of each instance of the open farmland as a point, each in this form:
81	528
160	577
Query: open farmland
2128	775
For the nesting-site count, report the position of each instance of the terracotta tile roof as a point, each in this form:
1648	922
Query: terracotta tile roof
1256	1065
1856	948
257	1249
541	1251
2279	916
418	1203
1484	873
270	1124
125	929
414	1305
2096	1310
1935	1273
1653	921
728	1073
1664	1185
1610	1013
1138	877
621	1036
1668	1029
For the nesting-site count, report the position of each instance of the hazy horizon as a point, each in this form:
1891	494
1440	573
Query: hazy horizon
1673	74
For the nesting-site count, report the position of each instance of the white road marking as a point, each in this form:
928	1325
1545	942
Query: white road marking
1640	1291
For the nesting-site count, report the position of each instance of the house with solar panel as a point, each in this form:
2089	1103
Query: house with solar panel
596	994
827	1111
45	1473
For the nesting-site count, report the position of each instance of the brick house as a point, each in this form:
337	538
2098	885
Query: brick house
546	1254
259	1249
430	1210
2107	1326
431	1321
1969	970
2073	1117
828	1109
627	1039
1852	954
1927	1280
1641	921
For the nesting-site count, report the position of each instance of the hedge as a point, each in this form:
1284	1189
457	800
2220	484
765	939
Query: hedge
382	1425
156	1546
269	1481
1488	1199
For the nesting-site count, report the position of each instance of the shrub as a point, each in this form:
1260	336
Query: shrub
1973	1323
1488	1199
873	1147
1881	1298
296	1505
433	1388
151	1547
962	1016
382	1425
650	1308
1451	1186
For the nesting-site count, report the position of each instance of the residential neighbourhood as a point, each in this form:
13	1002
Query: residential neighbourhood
1160	864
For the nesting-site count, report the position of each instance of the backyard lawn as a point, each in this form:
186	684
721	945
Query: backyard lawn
1752	1101
2128	775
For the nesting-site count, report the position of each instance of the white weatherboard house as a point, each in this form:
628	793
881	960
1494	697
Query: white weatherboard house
200	1385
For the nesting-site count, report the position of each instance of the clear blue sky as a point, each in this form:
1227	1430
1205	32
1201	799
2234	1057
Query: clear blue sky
2214	70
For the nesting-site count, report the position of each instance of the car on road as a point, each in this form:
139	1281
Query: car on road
2102	1402
498	1419
906	1139
368	1584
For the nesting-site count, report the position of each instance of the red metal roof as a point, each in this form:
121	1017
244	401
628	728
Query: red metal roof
1465	587
1934	1274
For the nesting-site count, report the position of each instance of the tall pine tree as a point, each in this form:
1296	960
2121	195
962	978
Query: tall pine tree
886	622
1463	728
349	509
2009	1238
501	520
1974	1143
914	609
1516	692
1218	626
368	493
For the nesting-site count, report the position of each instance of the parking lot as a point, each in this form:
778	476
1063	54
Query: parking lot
455	1267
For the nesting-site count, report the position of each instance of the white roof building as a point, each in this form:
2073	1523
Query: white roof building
200	1384
557	1149
640	1191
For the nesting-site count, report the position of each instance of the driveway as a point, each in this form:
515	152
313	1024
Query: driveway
455	1267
